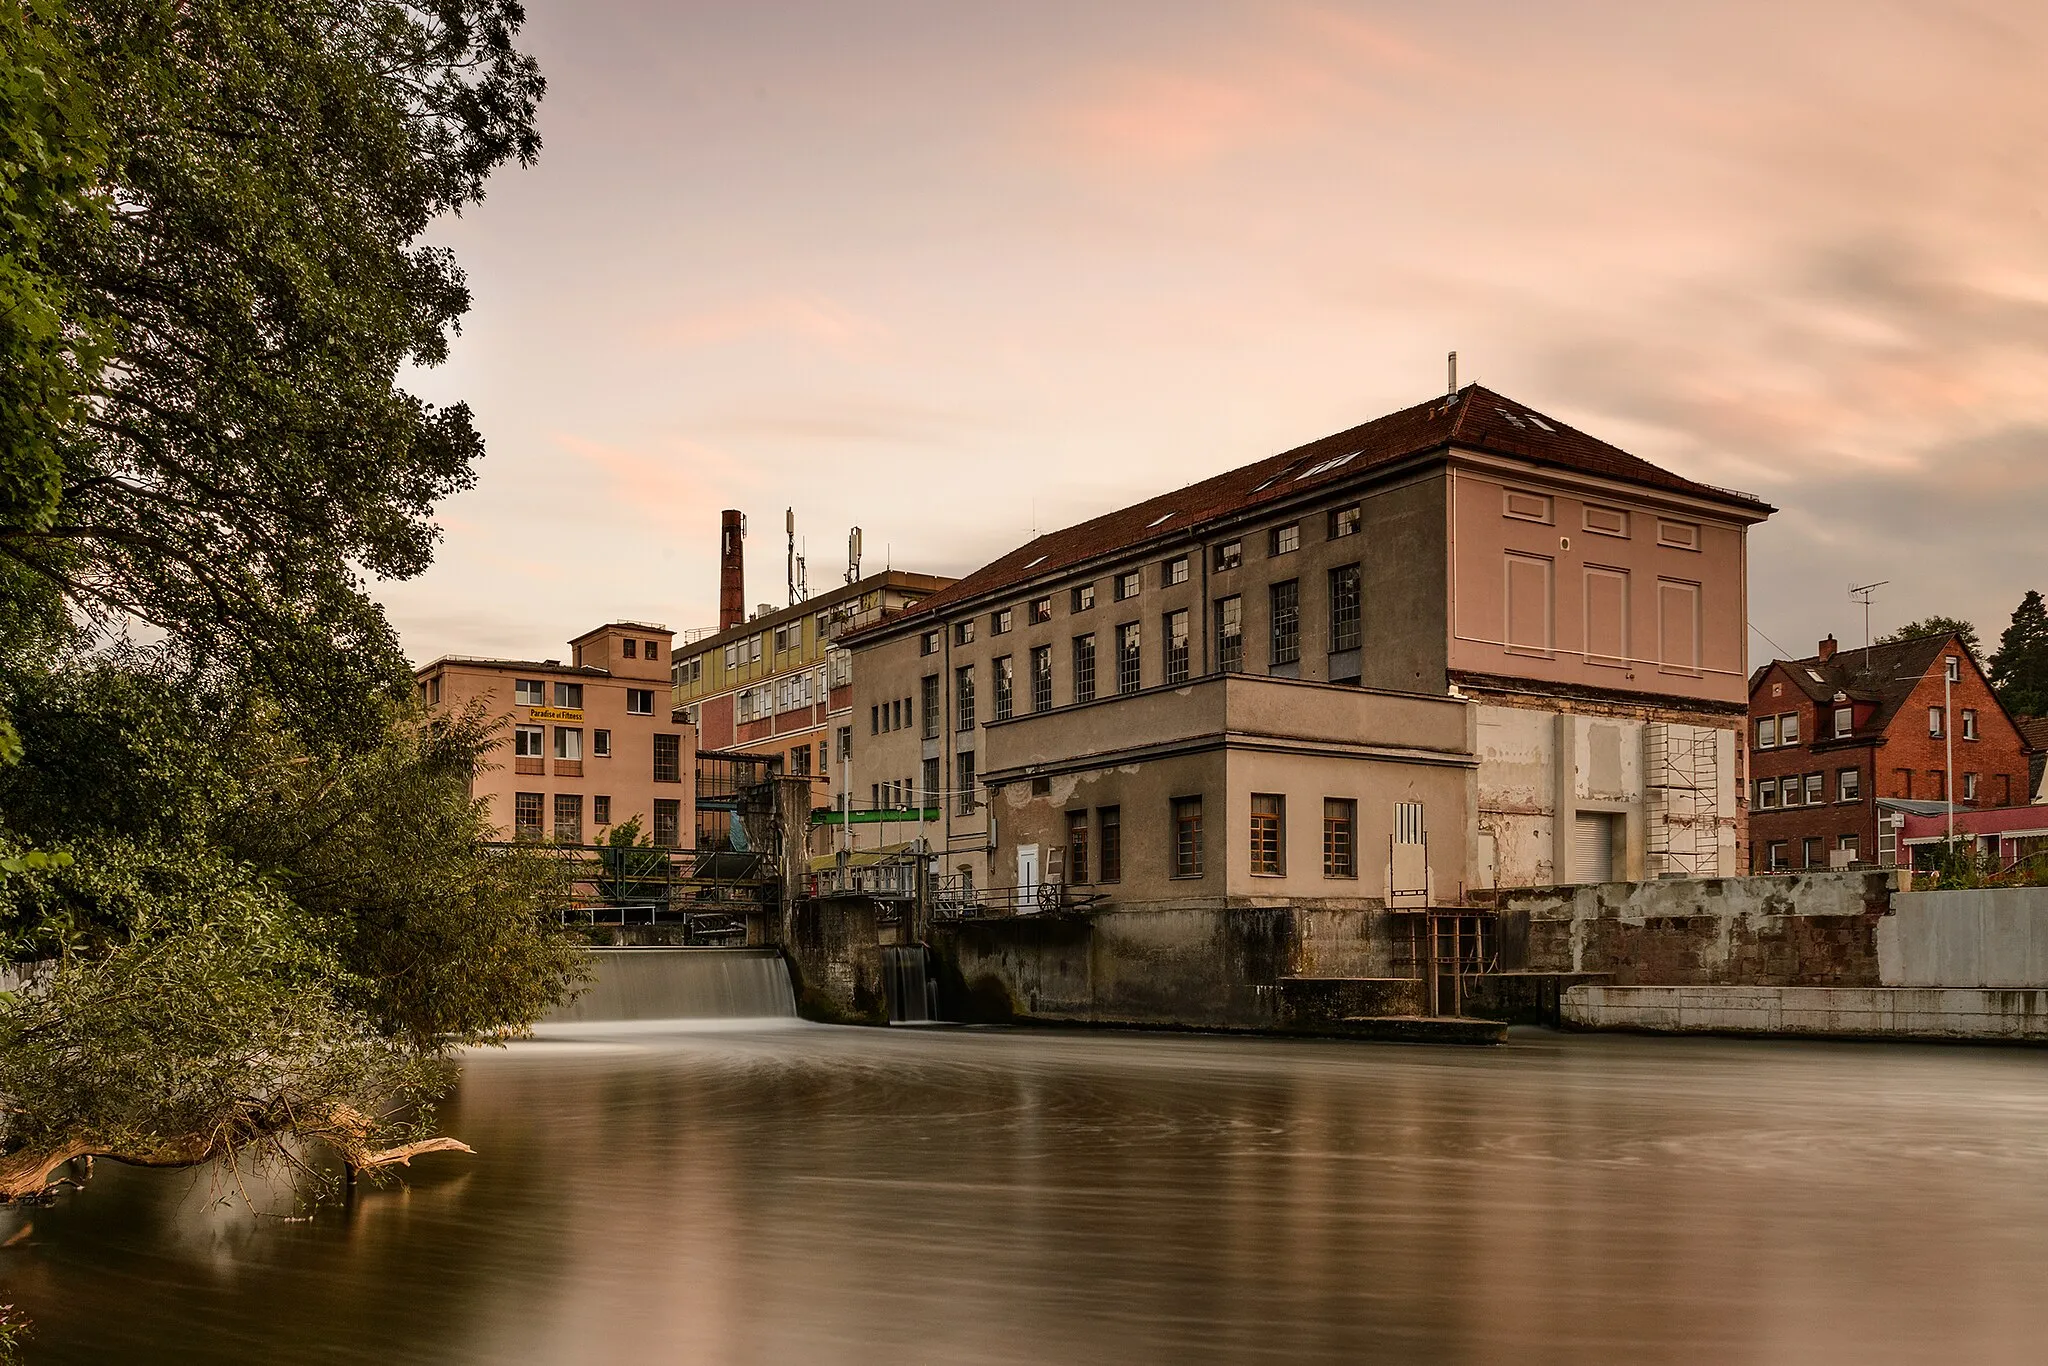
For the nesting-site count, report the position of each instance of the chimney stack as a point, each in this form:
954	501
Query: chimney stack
1827	649
732	578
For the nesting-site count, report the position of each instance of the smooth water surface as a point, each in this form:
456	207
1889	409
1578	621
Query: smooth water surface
792	1193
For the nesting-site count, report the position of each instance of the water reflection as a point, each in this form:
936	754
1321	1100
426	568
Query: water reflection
806	1194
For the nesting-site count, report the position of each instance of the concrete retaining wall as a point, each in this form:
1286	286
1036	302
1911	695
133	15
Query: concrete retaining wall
1991	937
1816	929
1952	1013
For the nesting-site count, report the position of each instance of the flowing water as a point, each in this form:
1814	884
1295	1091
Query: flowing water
663	1192
682	984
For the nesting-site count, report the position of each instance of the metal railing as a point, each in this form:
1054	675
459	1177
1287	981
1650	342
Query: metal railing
956	898
638	884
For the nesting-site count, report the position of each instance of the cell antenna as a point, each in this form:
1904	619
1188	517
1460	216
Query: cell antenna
1452	392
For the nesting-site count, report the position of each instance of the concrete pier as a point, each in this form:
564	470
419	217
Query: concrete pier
1981	1014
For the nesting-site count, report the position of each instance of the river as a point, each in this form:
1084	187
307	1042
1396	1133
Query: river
793	1193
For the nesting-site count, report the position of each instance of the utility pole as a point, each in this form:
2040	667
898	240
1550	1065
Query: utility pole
1948	740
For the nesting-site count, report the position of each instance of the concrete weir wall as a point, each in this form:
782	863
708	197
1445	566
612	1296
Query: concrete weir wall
1215	967
1951	1013
1816	929
1989	937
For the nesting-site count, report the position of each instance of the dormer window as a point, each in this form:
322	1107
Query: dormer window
1845	721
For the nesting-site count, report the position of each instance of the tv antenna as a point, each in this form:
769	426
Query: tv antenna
1863	595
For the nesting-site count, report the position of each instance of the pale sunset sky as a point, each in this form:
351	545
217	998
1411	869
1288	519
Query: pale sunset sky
947	270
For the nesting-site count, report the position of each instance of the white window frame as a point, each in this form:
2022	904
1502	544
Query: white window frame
1767	732
1969	731
1845	721
529	692
1934	723
1849	785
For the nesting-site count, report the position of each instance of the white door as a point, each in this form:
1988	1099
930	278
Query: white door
1593	848
1027	877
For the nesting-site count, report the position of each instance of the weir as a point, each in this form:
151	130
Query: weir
682	984
907	978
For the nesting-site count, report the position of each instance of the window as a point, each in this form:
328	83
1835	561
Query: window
1041	611
568	742
569	695
1229	556
1606	615
568	818
1678	626
1041	678
668	759
1005	676
1934	722
1230	634
1344	521
1524	506
1110	826
897	708
1084	668
1766	794
1176	634
1845	721
1952	668
1849	785
1286	619
1128	657
800	761
1788	729
846	742
434	690
1174	571
1678	535
627	648
1187	836
928	643
668	822
930	694
1284	540
732	656
1000	621
1344	608
649	649
1969	787
1774	856
1528	604
1084	598
1408	827
963	773
1969	723
1767	732
529	692
600	810
963	698
1077	846
1268	848
875	719
1340	837
1815	789
1605	521
1812	849
787	636
528	740
1127	585
639	701
601	744
963	632
526	811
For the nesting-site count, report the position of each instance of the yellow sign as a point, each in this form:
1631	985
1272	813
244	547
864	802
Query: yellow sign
555	713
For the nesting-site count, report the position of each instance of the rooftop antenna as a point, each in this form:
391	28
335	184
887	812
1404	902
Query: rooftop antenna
1864	595
789	526
853	555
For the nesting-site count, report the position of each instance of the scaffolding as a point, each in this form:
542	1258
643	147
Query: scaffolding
1682	784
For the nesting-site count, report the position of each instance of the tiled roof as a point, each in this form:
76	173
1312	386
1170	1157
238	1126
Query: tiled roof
1884	674
1478	420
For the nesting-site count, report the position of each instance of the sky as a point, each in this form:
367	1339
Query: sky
952	272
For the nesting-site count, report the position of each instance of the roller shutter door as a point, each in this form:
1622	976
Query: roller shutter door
1593	849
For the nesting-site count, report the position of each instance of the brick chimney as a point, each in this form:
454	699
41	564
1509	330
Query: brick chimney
732	578
1827	649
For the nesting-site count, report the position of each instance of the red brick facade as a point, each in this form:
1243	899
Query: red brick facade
1890	748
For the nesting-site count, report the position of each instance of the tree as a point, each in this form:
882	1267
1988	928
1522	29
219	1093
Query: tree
243	451
1934	626
2019	671
248	873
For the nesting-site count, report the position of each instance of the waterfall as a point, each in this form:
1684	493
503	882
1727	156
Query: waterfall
682	984
906	973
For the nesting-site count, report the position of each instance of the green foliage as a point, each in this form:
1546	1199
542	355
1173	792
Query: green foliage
1934	626
2019	671
266	168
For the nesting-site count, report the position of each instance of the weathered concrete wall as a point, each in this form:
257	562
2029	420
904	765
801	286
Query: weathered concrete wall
1214	967
835	957
1313	1005
1814	930
1990	937
1951	1013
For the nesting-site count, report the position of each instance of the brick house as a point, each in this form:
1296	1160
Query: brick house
1831	734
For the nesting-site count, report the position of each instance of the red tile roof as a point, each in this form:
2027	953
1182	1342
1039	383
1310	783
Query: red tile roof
1478	419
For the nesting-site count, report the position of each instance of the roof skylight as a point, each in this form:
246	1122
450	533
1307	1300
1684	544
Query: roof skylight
1160	520
1325	466
1035	563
